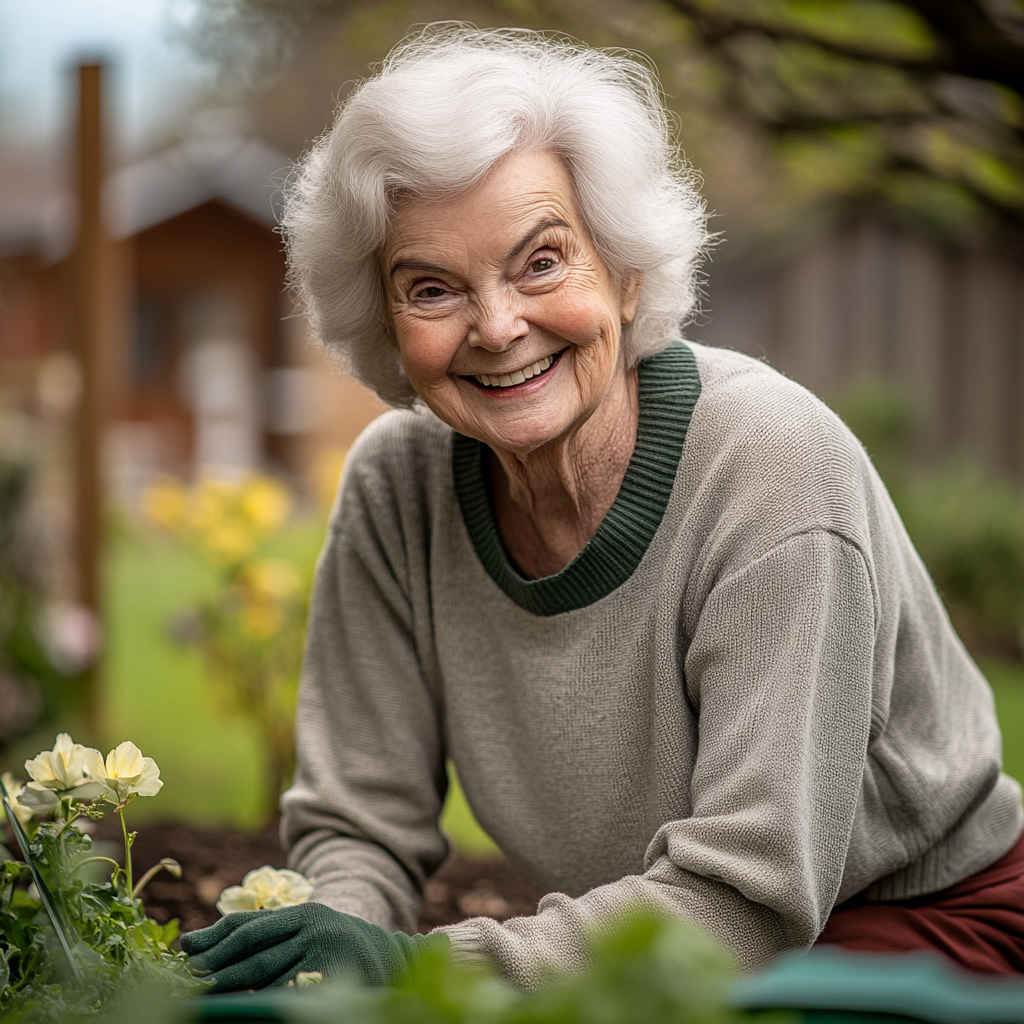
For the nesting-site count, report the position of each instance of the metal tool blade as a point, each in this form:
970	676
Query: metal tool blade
44	893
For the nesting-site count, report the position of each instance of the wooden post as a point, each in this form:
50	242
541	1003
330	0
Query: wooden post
90	323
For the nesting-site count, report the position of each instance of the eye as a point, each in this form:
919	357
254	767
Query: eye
538	266
430	291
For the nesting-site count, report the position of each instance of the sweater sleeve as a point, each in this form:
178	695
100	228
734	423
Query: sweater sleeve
779	668
361	818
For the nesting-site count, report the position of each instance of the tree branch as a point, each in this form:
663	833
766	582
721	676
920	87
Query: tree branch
975	44
971	42
715	28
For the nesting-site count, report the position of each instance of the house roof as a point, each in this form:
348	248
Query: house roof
245	174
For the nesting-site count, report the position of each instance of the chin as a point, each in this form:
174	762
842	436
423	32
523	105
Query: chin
525	438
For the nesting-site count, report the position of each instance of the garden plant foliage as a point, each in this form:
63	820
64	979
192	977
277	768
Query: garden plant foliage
41	654
642	970
115	946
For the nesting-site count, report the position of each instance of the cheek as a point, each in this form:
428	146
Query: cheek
427	349
582	317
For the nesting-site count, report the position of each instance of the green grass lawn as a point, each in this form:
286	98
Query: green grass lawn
157	693
1007	679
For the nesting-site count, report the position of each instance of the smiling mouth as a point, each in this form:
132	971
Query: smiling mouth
497	382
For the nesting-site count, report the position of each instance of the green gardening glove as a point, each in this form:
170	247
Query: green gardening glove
256	948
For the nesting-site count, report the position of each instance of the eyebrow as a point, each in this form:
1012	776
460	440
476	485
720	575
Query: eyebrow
428	268
550	222
433	268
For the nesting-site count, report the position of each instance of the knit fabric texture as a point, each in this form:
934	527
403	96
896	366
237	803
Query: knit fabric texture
740	704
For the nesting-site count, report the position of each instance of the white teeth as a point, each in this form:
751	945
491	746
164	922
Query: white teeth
509	380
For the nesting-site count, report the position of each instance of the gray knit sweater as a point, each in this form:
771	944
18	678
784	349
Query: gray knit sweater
741	703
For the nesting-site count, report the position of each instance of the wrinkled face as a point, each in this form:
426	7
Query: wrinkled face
507	320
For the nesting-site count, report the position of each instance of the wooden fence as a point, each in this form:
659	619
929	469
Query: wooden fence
870	302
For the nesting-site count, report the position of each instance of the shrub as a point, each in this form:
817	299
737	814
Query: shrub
967	523
250	629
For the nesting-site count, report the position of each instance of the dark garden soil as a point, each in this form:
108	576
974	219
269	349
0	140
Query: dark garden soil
212	859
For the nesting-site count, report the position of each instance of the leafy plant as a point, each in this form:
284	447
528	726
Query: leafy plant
250	629
642	969
114	945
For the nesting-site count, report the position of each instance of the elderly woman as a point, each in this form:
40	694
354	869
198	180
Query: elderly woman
649	597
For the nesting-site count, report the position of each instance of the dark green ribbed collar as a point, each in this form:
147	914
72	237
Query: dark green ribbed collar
668	389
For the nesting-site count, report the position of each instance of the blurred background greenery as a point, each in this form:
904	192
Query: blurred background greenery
865	163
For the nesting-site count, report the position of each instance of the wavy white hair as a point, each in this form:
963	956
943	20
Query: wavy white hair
446	105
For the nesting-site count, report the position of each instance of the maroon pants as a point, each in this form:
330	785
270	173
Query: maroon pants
978	922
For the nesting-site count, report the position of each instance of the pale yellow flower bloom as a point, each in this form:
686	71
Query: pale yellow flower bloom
124	772
14	789
266	888
60	773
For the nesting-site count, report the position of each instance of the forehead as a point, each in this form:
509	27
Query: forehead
522	190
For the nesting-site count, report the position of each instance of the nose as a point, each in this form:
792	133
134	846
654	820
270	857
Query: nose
497	321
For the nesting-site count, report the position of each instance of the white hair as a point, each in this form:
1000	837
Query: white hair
445	106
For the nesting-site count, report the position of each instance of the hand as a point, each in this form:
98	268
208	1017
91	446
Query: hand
256	948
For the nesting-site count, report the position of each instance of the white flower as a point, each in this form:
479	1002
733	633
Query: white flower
124	772
60	773
14	789
266	888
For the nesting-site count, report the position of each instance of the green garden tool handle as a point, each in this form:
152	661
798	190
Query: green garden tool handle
44	893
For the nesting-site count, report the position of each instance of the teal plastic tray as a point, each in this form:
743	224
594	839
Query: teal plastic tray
823	986
833	984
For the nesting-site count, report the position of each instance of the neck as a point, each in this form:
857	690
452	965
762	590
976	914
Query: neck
549	503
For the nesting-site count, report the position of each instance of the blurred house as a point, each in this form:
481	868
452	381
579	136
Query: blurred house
213	372
868	301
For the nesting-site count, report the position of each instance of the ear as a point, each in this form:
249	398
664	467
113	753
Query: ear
630	295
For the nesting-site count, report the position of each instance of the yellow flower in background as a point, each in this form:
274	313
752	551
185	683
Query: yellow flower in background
260	619
218	528
124	772
14	789
60	773
265	588
266	888
272	578
248	625
265	503
227	543
325	473
165	502
225	519
211	503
